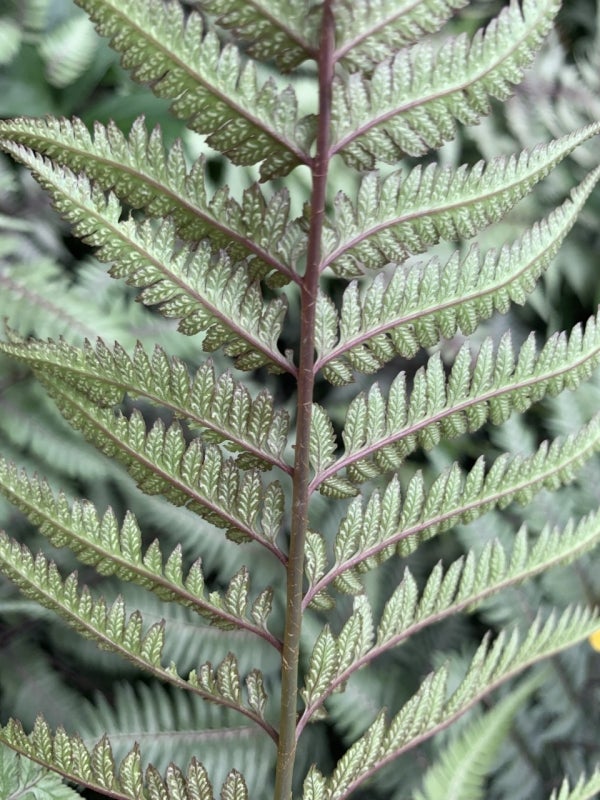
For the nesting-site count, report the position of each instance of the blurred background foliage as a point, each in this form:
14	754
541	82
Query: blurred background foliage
52	62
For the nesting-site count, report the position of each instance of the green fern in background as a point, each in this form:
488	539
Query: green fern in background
284	541
57	34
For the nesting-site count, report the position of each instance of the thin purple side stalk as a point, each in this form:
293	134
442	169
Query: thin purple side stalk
290	657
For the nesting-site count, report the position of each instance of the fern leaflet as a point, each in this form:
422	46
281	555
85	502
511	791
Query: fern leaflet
411	102
390	524
425	302
429	710
583	790
193	475
21	778
403	215
96	768
379	434
461	770
282	31
40	580
466	583
217	297
213	90
111	550
220	407
370	31
141	172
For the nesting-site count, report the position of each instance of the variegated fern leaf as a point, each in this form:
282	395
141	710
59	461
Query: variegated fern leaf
251	281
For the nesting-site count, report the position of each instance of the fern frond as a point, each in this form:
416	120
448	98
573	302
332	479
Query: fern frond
459	772
140	171
388	524
382	85
430	710
118	551
96	769
172	727
370	31
314	786
209	295
111	628
10	39
466	583
583	790
411	102
421	304
40	580
213	90
21	778
332	656
188	642
282	31
220	407
38	296
47	438
379	434
322	443
193	475
234	787
403	215
68	49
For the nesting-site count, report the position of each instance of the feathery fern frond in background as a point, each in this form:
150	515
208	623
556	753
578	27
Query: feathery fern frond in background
460	771
66	42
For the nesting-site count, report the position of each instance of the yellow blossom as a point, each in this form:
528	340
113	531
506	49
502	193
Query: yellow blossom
594	640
